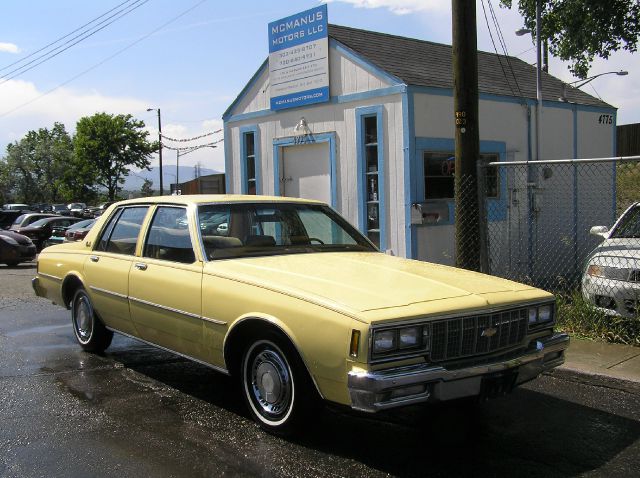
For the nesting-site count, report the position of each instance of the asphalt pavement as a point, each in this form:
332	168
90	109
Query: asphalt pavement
139	411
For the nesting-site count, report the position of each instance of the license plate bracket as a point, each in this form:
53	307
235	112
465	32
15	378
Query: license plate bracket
498	384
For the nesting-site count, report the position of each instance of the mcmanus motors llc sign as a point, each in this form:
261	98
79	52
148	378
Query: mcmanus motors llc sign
299	59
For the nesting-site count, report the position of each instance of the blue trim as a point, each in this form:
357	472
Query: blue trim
365	95
228	159
433	90
246	88
496	207
361	114
364	63
410	179
243	158
280	143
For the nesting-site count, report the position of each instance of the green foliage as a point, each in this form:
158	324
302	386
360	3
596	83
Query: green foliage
33	169
580	30
628	185
577	317
106	145
147	188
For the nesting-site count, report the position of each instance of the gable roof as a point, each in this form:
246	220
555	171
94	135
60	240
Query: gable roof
425	63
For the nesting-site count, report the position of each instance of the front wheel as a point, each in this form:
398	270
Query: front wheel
90	333
275	386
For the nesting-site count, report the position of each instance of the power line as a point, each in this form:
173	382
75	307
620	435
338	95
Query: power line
193	148
78	38
100	63
506	77
504	44
63	37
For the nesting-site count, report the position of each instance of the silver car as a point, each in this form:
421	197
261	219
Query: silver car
611	280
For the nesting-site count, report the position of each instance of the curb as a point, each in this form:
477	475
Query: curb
593	378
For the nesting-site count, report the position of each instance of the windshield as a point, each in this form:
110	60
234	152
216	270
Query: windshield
40	222
247	230
629	226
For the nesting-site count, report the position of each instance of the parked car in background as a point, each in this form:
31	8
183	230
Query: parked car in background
15	248
7	217
14	207
41	207
96	211
61	209
26	219
42	229
297	304
77	208
611	280
78	231
61	234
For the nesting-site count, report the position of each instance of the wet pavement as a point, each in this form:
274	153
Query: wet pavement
138	411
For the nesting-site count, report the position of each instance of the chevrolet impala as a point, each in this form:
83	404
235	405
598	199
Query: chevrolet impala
298	305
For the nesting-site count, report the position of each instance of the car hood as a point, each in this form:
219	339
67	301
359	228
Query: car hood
19	238
361	282
620	248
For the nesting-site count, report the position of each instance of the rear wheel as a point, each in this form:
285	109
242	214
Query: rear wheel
90	333
276	386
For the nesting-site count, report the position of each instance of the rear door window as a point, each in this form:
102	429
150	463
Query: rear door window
168	238
121	234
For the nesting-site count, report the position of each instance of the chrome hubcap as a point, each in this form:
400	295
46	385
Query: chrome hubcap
271	383
84	319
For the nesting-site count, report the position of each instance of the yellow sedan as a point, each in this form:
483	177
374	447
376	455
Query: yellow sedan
290	298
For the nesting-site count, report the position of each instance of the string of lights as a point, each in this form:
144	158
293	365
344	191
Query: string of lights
193	148
184	140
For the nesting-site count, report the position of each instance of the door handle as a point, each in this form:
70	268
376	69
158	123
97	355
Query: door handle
94	258
140	266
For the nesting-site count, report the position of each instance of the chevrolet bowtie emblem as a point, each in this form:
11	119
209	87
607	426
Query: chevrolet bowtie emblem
489	332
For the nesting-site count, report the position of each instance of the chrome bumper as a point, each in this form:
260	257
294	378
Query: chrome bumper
384	389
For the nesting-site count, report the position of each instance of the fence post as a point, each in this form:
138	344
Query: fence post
482	219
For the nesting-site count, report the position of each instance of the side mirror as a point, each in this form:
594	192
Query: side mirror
602	231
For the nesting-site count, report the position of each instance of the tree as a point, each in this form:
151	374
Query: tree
107	145
580	30
34	167
147	188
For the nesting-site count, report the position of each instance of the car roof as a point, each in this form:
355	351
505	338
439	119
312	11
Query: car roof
216	198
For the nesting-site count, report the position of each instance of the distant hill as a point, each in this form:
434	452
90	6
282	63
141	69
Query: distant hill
135	180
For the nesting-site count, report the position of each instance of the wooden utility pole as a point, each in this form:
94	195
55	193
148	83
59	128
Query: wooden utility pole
465	102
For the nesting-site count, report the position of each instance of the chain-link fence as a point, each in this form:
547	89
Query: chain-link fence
564	226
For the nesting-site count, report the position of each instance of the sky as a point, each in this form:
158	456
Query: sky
192	58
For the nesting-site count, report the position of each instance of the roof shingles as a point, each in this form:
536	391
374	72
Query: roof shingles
424	63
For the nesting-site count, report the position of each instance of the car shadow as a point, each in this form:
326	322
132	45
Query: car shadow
529	431
22	265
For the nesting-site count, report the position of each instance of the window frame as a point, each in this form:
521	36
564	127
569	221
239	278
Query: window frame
149	228
245	133
114	219
362	114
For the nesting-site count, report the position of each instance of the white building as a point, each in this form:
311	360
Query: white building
384	140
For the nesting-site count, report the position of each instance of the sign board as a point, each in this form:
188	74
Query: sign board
299	59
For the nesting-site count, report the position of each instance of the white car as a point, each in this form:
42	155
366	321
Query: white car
612	278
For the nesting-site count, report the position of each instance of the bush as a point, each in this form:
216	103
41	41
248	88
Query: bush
578	317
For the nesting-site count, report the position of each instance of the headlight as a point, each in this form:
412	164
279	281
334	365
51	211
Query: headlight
384	341
540	314
401	340
595	270
409	337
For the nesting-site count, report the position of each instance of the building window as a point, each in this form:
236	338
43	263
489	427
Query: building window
439	174
249	186
372	179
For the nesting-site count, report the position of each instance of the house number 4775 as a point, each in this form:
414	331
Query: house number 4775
605	119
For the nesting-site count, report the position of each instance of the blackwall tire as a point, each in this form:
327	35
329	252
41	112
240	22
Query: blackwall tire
90	333
276	386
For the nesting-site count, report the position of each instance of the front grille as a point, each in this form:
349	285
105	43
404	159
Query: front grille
465	336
